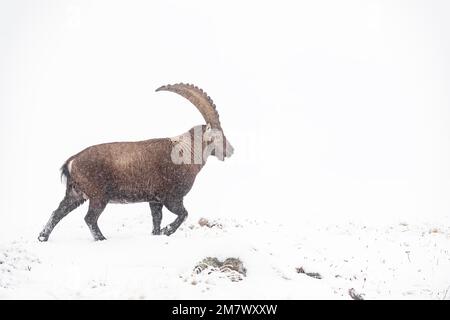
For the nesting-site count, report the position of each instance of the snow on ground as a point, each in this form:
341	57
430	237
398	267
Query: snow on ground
397	261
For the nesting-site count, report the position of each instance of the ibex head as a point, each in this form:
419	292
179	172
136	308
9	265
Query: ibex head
213	136
217	143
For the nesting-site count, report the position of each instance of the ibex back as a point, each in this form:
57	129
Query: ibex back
158	171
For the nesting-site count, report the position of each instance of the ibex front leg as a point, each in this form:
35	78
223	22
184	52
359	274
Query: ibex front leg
177	208
156	209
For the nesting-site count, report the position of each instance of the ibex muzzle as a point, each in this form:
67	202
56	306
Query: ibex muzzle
158	171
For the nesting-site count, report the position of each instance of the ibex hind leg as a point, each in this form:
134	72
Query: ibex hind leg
71	201
96	207
177	208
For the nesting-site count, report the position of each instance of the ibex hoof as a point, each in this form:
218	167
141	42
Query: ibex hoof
167	231
42	238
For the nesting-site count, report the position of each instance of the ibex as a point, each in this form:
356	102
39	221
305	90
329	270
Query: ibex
158	171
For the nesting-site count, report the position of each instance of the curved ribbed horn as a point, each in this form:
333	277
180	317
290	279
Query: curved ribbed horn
198	98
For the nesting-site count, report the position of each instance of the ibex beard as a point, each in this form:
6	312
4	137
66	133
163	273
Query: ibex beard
158	171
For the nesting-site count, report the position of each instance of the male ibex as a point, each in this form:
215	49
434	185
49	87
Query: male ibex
158	171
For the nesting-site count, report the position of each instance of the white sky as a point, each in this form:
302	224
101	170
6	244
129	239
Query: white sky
336	109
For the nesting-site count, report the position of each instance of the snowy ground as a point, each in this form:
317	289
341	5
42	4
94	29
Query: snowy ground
397	261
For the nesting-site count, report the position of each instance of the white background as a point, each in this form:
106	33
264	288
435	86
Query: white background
337	110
